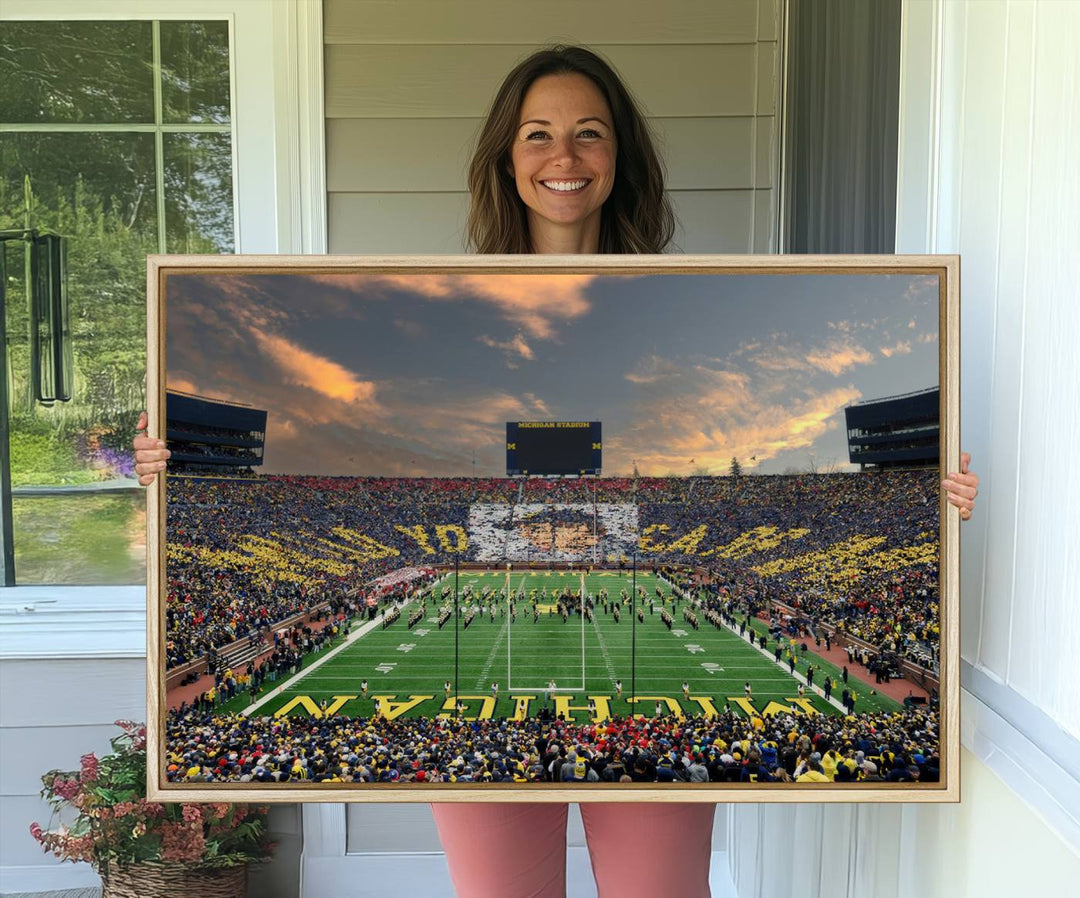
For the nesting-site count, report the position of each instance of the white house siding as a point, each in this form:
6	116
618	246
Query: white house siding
408	83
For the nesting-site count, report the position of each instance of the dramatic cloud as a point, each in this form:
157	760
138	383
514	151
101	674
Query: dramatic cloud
313	371
902	347
514	348
183	382
834	357
838	359
534	302
704	431
367	373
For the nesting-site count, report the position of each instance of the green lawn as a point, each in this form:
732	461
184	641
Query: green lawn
409	667
80	539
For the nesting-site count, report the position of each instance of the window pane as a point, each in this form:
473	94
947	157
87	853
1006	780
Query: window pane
195	71
198	193
78	515
98	191
81	539
112	174
76	72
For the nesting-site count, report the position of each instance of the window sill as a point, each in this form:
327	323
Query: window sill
1023	758
41	622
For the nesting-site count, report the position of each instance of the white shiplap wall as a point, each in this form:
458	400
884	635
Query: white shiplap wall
408	83
1008	200
990	169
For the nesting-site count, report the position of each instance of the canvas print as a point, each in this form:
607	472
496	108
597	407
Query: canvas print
431	533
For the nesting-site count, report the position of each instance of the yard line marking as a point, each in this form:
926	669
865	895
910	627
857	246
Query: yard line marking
603	649
491	655
353	637
798	675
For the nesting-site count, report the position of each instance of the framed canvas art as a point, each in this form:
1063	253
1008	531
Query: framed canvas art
585	528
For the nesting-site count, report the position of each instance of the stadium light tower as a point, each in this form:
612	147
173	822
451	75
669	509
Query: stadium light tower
457	631
633	630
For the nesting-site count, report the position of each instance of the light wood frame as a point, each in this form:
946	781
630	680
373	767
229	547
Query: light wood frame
946	267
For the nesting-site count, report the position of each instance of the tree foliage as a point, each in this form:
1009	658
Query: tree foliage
99	190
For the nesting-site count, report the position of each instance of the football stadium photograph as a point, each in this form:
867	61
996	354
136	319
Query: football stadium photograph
535	531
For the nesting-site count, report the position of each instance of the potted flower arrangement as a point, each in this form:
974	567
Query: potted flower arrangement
144	847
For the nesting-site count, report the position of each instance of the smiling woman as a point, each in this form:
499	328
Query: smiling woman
562	117
563	162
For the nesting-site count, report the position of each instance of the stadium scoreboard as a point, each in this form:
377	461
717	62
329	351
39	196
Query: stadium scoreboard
549	448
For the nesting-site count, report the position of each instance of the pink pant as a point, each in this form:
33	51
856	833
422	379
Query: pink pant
518	850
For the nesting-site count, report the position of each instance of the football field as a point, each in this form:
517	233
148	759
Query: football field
406	669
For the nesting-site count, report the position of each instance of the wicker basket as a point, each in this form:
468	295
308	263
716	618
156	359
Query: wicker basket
162	880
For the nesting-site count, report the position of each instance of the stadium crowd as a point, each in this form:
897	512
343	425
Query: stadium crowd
855	551
869	748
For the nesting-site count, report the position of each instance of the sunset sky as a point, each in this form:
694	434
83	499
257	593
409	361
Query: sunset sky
417	374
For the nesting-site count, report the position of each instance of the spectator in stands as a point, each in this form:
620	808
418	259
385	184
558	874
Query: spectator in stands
722	748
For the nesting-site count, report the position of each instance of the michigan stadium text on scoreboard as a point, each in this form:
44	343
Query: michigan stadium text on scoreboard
397	556
552	448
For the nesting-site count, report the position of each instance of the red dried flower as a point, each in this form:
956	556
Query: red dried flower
117	832
181	842
90	767
65	788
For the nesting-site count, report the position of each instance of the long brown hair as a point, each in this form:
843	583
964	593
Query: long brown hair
637	216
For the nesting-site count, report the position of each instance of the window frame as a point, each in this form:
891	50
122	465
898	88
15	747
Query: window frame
278	143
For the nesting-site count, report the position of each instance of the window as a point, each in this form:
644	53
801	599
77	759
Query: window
842	93
118	136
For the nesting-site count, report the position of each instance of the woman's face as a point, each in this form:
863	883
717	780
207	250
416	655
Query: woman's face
563	155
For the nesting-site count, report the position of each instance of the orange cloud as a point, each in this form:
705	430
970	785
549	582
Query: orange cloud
699	417
837	359
834	358
762	431
535	302
902	347
181	382
513	347
314	371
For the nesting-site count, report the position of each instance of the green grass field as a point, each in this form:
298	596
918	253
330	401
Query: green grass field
406	669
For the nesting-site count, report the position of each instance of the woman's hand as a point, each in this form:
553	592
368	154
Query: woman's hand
150	454
961	488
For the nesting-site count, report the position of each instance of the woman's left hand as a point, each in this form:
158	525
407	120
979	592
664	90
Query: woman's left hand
962	487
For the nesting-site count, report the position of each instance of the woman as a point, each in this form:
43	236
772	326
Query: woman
565	164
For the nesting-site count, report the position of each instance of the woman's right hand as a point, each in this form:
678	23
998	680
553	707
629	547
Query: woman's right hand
150	454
